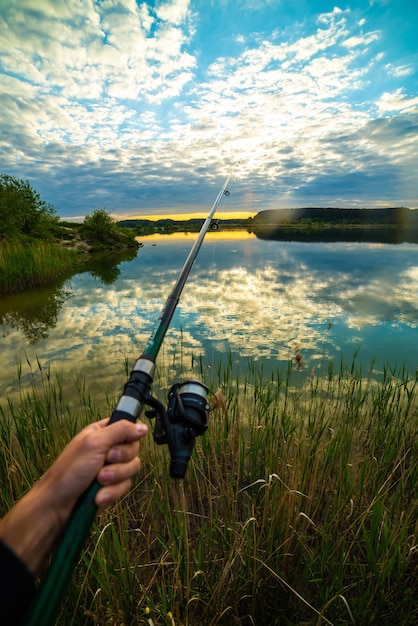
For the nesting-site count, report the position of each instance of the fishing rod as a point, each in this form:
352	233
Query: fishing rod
185	418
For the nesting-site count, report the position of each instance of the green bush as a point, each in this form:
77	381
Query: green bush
103	231
99	226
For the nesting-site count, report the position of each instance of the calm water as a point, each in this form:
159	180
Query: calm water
248	297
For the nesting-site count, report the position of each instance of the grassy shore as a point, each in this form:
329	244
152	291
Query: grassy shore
299	507
32	264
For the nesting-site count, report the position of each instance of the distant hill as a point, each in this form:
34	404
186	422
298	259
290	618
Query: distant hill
391	225
386	225
144	227
337	217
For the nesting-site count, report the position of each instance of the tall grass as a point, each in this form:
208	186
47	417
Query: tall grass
32	264
299	506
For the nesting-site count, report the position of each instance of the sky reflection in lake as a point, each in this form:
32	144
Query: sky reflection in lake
253	298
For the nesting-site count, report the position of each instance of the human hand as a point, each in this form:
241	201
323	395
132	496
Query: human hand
83	460
102	452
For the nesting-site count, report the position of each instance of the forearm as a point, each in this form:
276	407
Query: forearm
31	528
106	453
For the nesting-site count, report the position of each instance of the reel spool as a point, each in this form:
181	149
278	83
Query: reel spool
186	417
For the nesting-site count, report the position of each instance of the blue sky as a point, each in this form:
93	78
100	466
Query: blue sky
142	108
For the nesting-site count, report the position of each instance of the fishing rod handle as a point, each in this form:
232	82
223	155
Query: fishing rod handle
48	599
47	602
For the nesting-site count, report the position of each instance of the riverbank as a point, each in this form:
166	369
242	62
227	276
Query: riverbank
31	262
299	505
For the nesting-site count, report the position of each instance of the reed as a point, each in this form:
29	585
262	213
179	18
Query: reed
32	264
299	505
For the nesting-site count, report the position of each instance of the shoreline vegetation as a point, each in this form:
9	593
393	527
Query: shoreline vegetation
36	247
27	262
33	264
299	505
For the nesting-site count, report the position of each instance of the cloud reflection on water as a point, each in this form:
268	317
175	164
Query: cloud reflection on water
251	297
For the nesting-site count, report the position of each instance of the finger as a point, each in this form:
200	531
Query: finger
111	493
122	431
122	453
118	472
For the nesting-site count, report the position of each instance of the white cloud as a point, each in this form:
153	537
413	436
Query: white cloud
112	46
396	101
355	40
174	12
400	71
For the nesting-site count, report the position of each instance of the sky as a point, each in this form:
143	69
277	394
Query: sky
144	108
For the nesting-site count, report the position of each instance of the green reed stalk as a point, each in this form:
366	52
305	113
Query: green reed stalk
25	265
300	506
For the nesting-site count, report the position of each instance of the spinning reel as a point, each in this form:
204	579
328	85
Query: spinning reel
186	417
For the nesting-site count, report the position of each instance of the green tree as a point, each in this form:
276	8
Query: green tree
22	211
100	226
105	233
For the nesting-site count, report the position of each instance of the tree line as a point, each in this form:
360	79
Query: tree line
339	217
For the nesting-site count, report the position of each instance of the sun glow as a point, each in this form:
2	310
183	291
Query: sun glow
222	215
224	235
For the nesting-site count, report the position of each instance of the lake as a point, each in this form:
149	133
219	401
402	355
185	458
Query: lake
247	299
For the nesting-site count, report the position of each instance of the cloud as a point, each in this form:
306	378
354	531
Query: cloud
101	105
397	101
98	50
174	12
400	71
356	41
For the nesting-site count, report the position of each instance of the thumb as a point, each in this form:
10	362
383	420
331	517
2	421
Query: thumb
123	431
